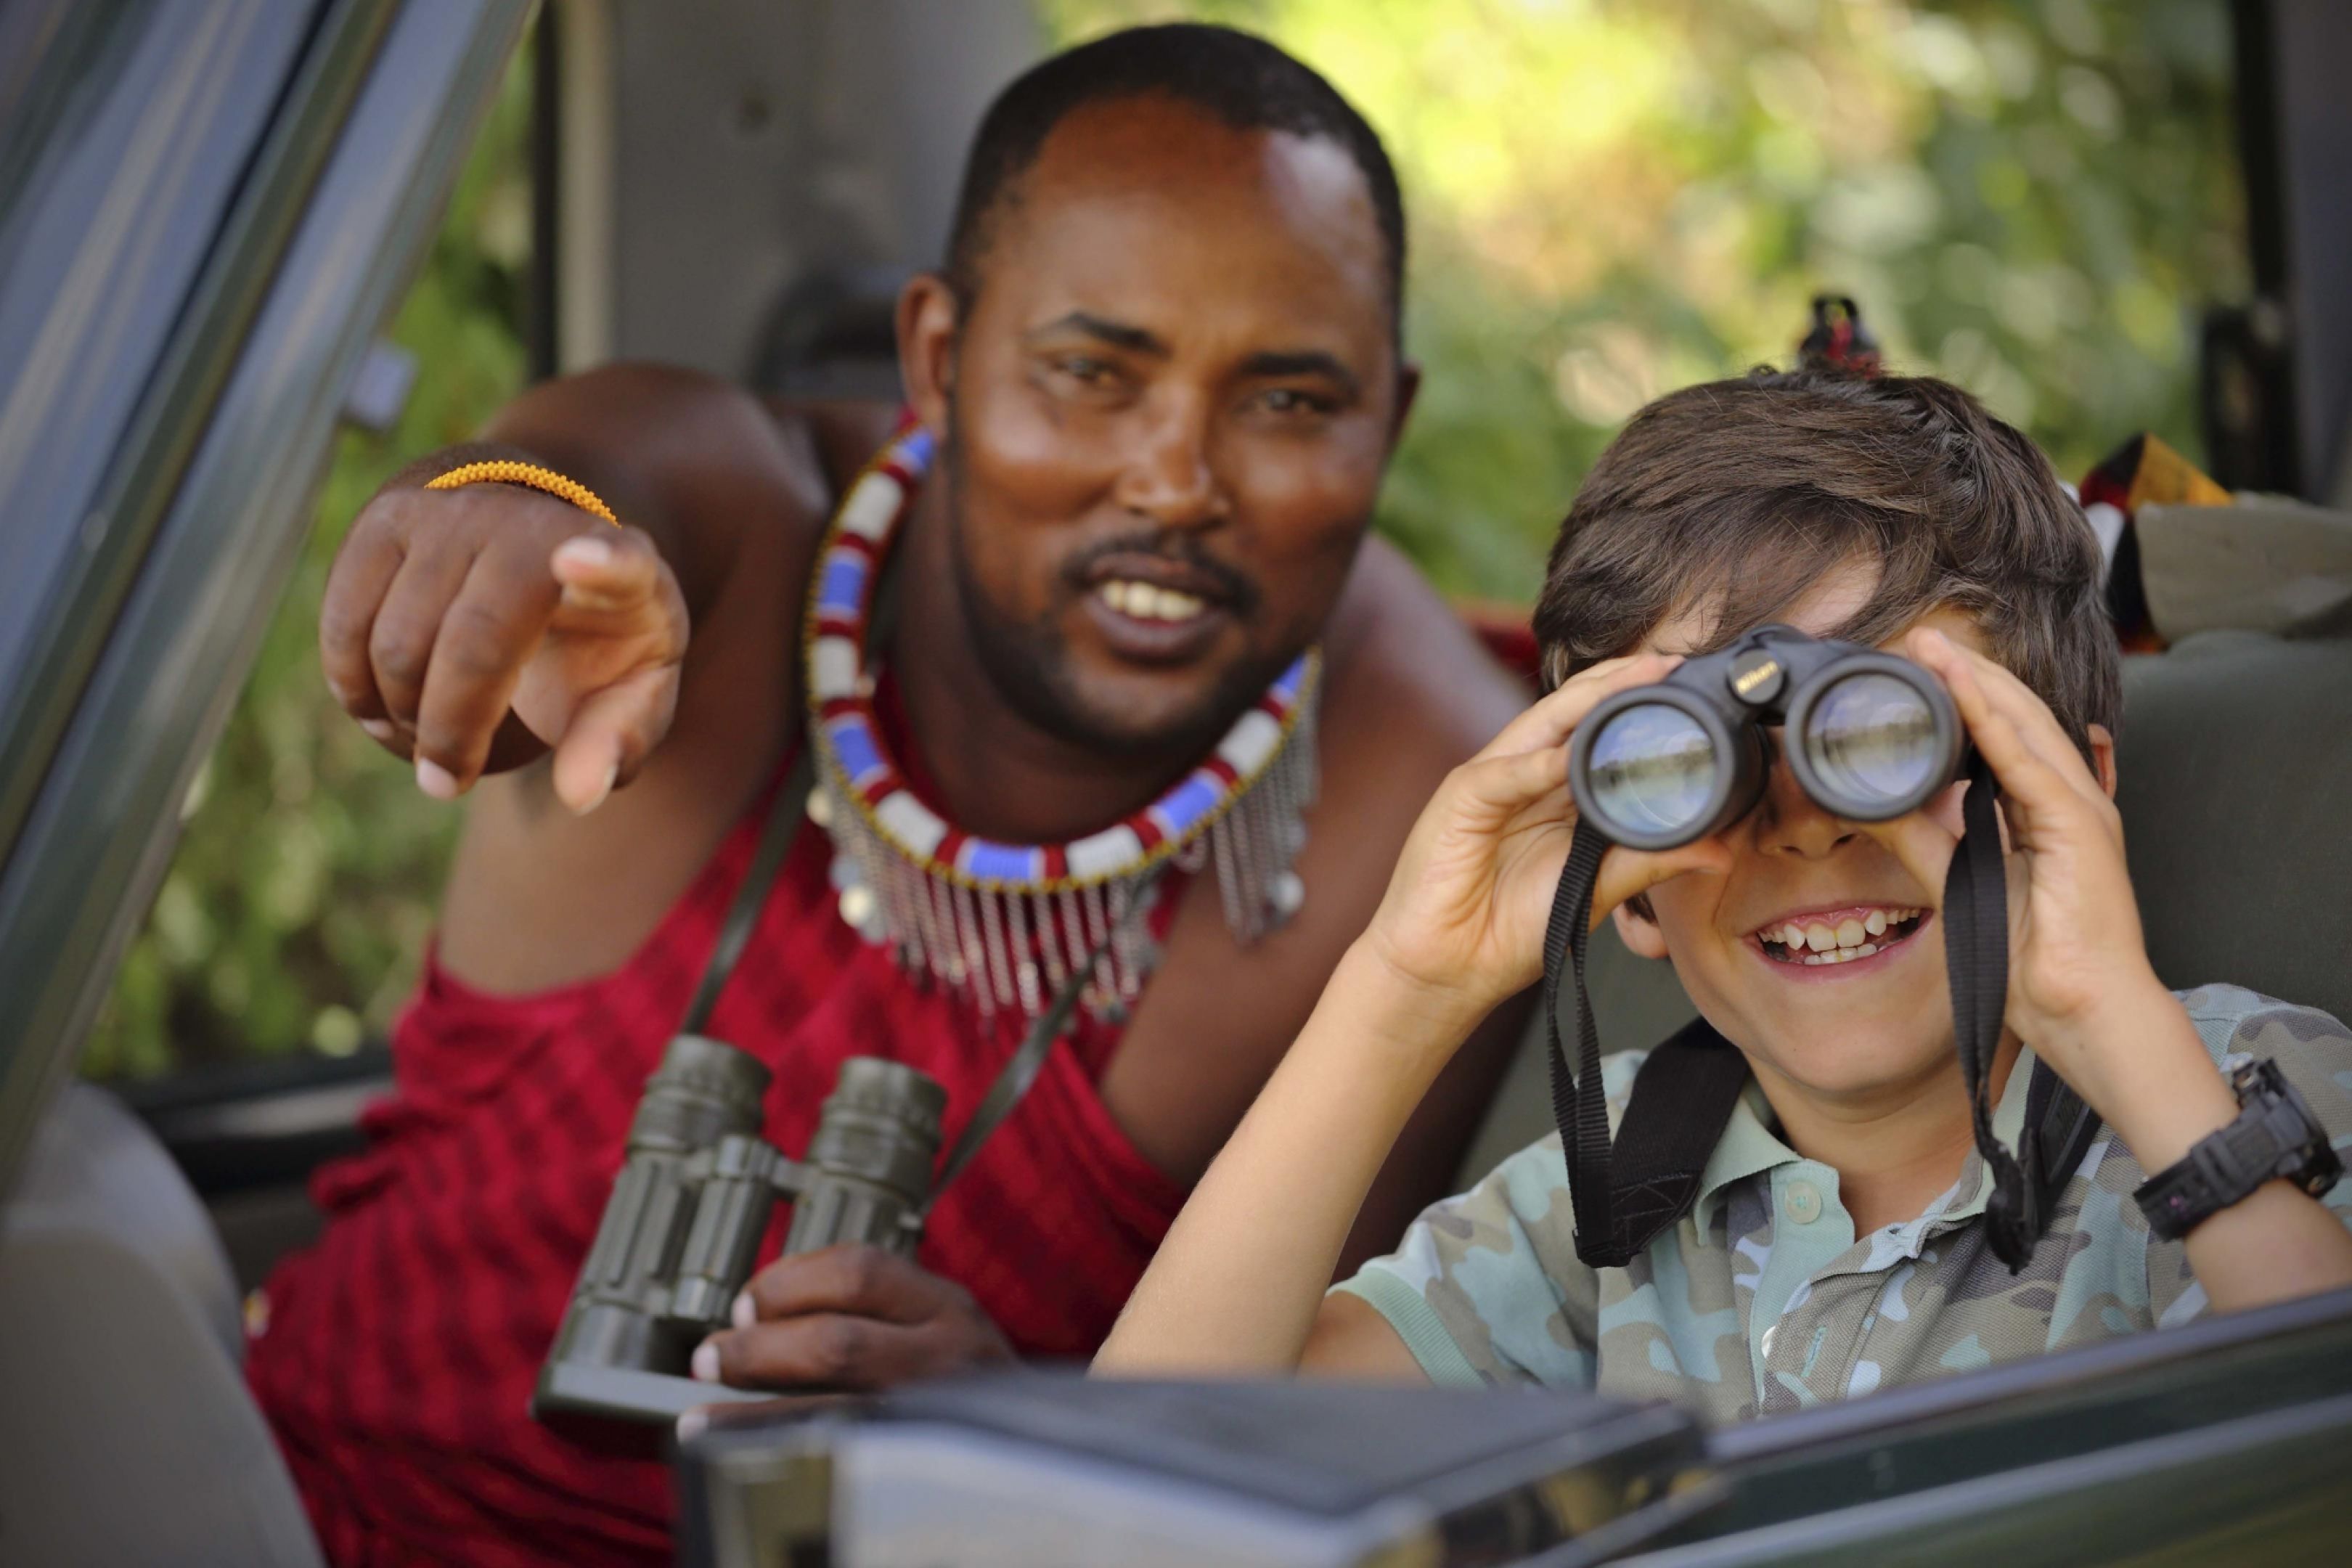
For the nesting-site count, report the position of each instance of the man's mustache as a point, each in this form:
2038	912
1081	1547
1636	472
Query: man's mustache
1214	579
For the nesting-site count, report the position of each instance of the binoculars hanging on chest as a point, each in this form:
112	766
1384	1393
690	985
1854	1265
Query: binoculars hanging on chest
1868	736
696	1191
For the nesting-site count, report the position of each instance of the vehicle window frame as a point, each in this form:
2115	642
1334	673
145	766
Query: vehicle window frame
261	167
227	474
2216	1391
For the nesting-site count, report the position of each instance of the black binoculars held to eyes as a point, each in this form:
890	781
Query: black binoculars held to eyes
1868	736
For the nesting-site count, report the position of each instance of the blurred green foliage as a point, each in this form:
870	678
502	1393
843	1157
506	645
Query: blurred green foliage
1613	198
1610	198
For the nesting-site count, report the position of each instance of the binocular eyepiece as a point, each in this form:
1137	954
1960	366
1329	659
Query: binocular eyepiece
1868	736
697	1184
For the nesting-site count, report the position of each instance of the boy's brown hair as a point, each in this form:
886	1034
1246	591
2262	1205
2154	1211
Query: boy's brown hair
1735	496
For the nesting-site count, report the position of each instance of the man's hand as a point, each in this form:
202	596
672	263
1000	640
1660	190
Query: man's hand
848	1318
1465	914
472	629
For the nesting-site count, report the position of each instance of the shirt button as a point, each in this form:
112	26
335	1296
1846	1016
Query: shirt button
1803	1201
1766	1343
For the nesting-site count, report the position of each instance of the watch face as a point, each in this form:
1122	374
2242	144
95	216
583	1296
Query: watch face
2322	1171
2316	1167
2262	1077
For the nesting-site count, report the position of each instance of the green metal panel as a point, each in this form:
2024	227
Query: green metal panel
2272	1489
2226	1431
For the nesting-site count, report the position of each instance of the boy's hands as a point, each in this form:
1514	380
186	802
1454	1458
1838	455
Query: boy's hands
1462	921
2080	985
448	611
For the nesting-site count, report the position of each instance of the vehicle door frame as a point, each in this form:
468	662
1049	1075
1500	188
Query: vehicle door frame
194	528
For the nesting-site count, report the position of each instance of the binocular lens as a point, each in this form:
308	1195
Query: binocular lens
1652	770
1872	737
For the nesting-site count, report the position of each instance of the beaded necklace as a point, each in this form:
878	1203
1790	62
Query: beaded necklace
1009	925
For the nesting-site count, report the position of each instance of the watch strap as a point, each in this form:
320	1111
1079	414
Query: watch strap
2274	1137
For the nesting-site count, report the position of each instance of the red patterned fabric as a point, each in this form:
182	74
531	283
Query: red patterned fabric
1508	638
400	1352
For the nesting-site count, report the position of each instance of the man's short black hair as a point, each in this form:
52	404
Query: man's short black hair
1237	78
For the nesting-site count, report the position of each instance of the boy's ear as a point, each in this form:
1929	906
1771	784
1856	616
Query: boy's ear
2102	758
1638	930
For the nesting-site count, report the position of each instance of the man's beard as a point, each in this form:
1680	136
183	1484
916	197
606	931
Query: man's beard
1029	665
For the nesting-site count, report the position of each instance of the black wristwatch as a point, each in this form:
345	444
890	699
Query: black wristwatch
2274	1136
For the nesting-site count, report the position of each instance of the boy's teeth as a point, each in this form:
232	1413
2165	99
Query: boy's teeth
1816	942
1147	602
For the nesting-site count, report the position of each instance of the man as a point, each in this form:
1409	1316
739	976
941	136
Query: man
1161	376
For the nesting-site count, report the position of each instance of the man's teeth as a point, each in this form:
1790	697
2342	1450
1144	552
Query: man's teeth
1817	941
1146	602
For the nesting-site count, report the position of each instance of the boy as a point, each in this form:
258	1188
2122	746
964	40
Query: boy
1838	1243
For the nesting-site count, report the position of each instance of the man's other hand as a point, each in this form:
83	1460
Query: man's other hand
849	1317
472	629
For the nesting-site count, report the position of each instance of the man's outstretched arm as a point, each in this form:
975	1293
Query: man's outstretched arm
496	631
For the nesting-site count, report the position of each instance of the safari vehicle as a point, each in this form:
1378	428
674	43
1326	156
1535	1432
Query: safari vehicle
207	212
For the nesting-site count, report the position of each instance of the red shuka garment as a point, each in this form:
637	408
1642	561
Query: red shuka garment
400	1352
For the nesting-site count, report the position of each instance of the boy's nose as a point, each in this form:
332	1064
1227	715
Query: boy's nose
1789	823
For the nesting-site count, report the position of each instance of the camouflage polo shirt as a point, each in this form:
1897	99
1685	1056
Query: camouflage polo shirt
1762	1298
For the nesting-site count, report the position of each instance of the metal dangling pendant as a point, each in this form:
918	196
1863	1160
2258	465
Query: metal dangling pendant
983	918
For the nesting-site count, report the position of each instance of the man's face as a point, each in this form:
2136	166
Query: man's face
1167	412
1852	1030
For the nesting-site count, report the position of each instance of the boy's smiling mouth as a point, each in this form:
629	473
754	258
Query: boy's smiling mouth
1827	938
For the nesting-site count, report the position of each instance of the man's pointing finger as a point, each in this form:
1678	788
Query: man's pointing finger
489	630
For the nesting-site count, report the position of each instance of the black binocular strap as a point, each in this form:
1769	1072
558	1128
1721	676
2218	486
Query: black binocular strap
776	836
1626	1194
2058	1124
1975	958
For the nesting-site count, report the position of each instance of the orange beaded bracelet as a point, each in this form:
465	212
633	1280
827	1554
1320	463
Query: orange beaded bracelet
510	473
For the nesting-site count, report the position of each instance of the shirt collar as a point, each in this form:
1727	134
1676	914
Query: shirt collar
1750	1146
2009	1126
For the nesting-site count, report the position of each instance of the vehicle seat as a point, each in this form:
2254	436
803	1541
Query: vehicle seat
2234	777
127	1439
2235	782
